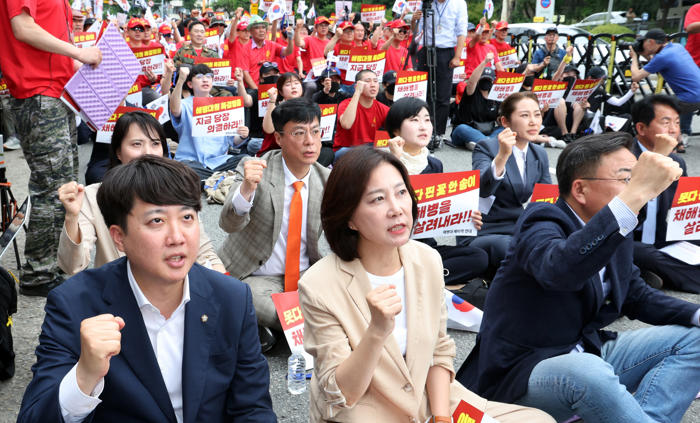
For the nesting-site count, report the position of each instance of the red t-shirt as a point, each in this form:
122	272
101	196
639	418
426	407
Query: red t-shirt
315	47
363	130
476	55
396	59
693	43
269	143
27	70
238	53
269	52
289	63
500	45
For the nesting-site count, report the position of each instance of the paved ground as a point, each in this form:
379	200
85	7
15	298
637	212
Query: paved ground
288	408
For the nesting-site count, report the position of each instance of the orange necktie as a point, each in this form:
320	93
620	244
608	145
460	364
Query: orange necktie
291	265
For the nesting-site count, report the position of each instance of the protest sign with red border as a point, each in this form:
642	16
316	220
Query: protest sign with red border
381	139
411	84
582	89
151	59
318	65
372	13
459	73
508	58
264	98
547	193
84	39
506	83
549	92
445	203
220	67
134	95
104	135
292	322
467	413
340	6
328	117
343	57
216	116
4	91
361	59
683	217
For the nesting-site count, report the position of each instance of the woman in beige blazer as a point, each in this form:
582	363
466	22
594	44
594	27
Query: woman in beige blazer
135	134
374	312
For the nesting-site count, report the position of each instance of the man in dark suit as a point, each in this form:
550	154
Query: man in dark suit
256	212
656	122
568	274
151	336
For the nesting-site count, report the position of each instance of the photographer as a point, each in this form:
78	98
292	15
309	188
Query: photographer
675	65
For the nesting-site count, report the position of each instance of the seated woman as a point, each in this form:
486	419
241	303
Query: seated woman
135	134
408	121
374	309
510	166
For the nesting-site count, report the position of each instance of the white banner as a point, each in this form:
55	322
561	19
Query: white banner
217	116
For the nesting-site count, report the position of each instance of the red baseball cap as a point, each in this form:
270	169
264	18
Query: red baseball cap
165	29
134	22
345	24
242	25
501	25
398	23
321	20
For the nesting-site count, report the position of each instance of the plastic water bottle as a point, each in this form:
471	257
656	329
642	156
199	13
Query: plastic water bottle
296	373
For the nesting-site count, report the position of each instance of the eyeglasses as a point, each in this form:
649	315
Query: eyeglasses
623	180
300	134
403	31
167	35
138	29
203	75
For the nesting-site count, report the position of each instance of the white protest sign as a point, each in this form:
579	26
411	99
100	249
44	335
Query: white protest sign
582	89
411	84
341	6
508	58
372	13
506	83
328	117
151	59
221	68
361	59
216	116
104	135
683	217
549	92
264	98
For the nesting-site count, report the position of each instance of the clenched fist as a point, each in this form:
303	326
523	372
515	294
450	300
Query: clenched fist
252	175
100	339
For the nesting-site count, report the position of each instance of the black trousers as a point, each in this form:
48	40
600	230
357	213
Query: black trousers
443	84
675	273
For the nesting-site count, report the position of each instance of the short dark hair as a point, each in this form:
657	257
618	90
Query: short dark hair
344	189
300	110
508	106
198	69
359	74
582	158
148	124
194	23
643	110
401	110
283	79
151	179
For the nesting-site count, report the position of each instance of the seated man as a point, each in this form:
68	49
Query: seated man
657	124
567	275
262	214
153	336
360	116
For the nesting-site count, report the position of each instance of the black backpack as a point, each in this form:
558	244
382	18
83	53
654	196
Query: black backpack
8	306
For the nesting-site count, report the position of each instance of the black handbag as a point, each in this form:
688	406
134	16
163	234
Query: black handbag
485	128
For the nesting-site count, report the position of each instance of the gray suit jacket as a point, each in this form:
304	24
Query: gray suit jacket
252	236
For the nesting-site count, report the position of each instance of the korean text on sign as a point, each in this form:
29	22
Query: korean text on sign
361	59
549	92
684	215
506	83
581	90
411	84
328	117
216	116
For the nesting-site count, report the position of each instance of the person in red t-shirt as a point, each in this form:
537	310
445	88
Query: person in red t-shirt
396	54
499	37
314	44
291	62
238	41
692	27
360	116
341	44
262	50
478	47
37	57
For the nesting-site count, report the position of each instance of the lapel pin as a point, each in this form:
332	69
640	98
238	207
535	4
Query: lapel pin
204	318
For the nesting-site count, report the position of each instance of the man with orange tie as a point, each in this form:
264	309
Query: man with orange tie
272	212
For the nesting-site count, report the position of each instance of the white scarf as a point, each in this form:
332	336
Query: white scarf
415	164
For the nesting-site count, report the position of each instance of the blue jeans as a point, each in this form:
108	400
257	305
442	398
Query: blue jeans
686	123
660	365
464	134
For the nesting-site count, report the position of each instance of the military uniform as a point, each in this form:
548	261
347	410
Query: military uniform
186	52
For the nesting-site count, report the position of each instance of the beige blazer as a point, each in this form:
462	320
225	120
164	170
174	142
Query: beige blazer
336	316
72	257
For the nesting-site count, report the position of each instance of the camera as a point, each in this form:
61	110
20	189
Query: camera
637	46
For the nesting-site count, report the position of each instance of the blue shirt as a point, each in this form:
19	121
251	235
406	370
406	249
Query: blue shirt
679	70
541	52
209	151
450	22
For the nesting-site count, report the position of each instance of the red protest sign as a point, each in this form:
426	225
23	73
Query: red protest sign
361	58
684	216
104	135
220	67
411	84
506	83
381	139
372	13
264	98
549	92
581	90
328	117
467	413
547	193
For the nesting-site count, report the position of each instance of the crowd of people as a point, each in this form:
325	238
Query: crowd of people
162	321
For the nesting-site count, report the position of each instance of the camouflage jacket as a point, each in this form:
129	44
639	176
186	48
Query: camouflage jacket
185	53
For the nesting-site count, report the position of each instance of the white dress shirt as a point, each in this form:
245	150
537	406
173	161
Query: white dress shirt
167	339
400	328
450	22
520	157
649	225
274	266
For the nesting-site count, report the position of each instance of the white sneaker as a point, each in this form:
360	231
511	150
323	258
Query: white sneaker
471	145
684	139
555	143
12	143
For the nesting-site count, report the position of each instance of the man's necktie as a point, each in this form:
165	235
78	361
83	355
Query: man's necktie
291	265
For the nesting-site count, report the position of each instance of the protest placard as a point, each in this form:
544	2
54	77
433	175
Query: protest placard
134	96
445	203
342	7
549	92
160	105
372	13
318	65
152	58
548	193
683	218
221	68
84	39
411	84
581	90
292	322
265	5
381	139
4	91
104	135
216	116
506	83
459	73
508	58
343	56
467	413
328	117
415	5
362	58
264	98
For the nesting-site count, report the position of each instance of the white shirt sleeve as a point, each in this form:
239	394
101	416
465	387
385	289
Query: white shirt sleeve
626	219
619	101
493	171
75	405
240	205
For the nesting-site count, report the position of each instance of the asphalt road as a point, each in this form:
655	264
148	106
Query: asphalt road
289	408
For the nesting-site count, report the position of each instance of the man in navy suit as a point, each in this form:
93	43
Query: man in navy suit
151	336
656	122
568	273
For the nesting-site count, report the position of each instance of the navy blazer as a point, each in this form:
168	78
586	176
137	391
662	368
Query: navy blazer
547	297
225	377
510	191
663	203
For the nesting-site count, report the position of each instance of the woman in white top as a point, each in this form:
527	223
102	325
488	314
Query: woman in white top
135	134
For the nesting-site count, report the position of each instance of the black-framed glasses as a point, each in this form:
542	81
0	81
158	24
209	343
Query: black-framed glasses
300	134
167	35
403	31
623	180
